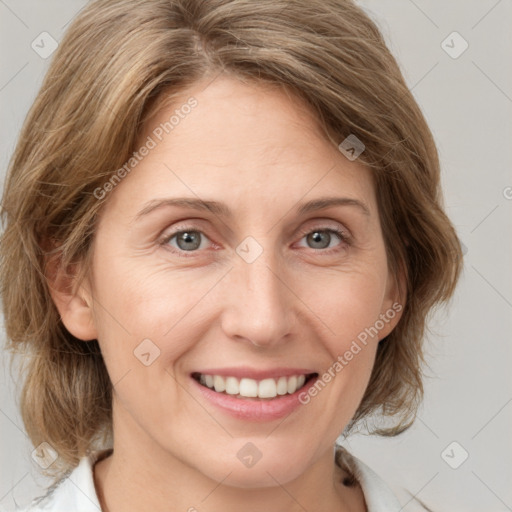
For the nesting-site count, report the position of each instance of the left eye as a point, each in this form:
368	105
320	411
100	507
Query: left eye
322	238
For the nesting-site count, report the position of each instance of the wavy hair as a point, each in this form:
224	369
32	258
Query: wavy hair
116	59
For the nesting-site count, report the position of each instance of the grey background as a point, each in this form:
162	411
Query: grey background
468	104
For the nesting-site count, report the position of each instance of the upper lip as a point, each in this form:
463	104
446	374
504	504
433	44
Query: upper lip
241	372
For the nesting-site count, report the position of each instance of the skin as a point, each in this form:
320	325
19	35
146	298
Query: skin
261	153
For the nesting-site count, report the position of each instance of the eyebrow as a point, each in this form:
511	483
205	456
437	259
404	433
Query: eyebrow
328	202
222	209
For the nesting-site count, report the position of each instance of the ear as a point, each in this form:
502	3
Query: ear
72	300
394	301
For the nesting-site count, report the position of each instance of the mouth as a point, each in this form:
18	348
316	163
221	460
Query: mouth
252	389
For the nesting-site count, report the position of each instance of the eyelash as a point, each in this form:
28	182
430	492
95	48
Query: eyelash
342	235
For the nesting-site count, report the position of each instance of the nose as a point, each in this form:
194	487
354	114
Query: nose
259	305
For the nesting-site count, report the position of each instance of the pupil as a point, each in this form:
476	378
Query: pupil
316	238
188	237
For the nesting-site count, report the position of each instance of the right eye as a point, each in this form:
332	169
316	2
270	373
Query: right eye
185	240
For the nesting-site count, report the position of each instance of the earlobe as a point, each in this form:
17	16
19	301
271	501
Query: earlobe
73	303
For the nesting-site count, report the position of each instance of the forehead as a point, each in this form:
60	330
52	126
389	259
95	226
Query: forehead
248	144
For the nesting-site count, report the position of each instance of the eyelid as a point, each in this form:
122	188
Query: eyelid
325	226
180	228
343	235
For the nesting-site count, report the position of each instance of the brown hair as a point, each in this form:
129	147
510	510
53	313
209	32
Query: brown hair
116	59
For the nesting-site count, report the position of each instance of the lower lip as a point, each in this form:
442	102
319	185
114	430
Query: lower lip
254	409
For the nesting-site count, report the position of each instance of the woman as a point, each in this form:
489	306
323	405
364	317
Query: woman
224	233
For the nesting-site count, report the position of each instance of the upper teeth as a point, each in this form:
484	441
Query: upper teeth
266	388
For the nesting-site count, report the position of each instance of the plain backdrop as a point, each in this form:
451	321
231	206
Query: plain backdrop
458	455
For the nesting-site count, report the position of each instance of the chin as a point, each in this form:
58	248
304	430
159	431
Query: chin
268	473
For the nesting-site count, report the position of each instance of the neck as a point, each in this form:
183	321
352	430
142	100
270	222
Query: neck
122	486
139	475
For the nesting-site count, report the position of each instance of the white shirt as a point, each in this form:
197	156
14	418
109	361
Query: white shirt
76	493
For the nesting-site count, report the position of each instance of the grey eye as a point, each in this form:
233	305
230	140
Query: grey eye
320	239
188	240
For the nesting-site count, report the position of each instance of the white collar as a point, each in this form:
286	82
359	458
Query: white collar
377	494
75	492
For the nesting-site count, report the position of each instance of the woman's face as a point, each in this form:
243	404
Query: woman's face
247	280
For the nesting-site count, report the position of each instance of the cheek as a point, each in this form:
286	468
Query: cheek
349	307
346	302
136	303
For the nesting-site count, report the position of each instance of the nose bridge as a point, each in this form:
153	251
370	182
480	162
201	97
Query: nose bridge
260	303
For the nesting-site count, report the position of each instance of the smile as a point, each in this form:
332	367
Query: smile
268	388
